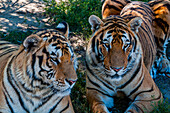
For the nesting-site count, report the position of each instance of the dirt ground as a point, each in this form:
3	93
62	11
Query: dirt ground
21	15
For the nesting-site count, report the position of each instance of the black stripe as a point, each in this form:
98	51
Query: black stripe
164	5
134	90
40	62
33	70
19	53
43	33
154	3
119	3
95	84
8	51
106	85
134	43
138	109
9	73
148	34
33	64
159	45
8	103
143	92
111	31
7	92
6	47
2	43
65	108
111	7
54	107
152	43
110	22
93	43
45	51
99	91
140	10
48	57
98	54
153	98
162	24
43	102
133	76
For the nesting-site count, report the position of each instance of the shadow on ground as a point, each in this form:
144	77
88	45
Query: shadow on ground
22	15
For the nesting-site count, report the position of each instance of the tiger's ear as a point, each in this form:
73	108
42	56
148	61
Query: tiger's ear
135	23
95	22
31	42
63	27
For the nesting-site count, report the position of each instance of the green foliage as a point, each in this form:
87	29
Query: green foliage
162	107
15	37
75	12
78	96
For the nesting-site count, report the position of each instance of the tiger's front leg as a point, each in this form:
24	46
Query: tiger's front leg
147	94
142	106
138	107
66	105
98	102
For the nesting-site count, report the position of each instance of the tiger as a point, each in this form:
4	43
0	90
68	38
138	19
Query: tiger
160	26
118	56
113	7
38	75
161	29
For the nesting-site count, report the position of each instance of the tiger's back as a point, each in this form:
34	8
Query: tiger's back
113	7
6	51
161	29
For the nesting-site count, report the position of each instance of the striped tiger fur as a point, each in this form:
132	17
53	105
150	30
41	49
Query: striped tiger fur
161	29
117	57
113	7
160	26
37	77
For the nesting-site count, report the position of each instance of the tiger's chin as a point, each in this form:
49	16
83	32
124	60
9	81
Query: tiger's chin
114	77
62	90
65	92
62	93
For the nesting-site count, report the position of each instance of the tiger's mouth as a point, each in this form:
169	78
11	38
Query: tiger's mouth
117	75
63	88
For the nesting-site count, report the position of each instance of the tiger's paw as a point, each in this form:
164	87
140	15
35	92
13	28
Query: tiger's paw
100	108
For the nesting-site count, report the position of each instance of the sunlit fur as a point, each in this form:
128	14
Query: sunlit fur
161	29
118	56
37	76
113	7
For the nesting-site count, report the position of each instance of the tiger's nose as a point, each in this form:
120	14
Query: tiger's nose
116	68
71	81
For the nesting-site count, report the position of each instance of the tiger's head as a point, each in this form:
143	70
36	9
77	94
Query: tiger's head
113	44
47	60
